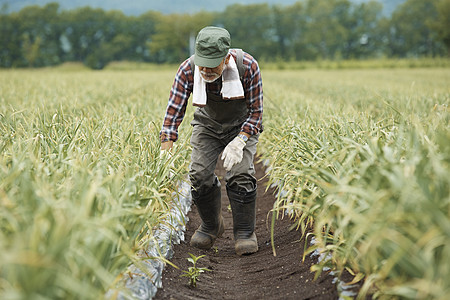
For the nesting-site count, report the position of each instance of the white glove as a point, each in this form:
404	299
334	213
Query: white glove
233	153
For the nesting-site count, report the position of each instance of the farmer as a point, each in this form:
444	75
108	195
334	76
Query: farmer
226	87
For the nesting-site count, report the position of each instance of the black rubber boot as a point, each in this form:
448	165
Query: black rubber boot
209	208
243	206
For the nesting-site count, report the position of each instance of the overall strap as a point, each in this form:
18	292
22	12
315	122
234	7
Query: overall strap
239	62
191	62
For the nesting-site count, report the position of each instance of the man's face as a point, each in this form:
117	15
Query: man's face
211	74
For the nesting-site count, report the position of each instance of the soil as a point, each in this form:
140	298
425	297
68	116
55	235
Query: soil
258	276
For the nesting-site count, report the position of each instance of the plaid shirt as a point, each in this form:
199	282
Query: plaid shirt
184	84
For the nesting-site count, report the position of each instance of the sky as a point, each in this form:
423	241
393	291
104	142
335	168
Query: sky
138	7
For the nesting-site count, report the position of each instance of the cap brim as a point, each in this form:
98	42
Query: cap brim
207	62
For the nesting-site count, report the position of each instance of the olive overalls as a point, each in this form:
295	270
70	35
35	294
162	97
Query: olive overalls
214	126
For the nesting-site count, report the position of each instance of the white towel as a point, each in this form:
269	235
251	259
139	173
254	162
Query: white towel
231	84
199	92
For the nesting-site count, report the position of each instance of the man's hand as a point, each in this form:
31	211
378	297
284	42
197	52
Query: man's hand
233	153
166	145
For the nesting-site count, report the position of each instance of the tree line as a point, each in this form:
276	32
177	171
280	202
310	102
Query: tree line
39	36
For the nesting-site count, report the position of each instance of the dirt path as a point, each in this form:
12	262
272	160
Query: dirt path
257	276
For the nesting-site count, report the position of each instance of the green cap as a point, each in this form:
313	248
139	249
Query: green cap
211	46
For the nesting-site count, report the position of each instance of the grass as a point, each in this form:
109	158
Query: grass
381	63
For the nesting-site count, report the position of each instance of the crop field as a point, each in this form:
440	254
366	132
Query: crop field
360	156
363	156
81	181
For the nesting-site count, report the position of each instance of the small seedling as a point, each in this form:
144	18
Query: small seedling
215	249
194	272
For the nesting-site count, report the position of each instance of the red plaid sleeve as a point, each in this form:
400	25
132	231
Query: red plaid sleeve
176	107
254	94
